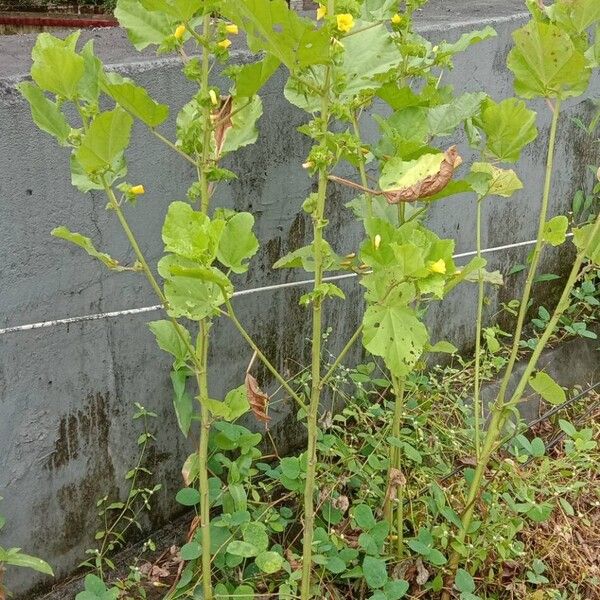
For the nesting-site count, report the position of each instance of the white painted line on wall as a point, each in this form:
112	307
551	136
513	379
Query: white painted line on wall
267	288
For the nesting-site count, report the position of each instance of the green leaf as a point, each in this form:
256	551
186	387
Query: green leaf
191	551
238	242
466	40
95	589
509	126
395	334
182	10
244	549
169	339
305	258
103	145
144	27
592	54
271	26
500	182
191	234
89	85
375	572
188	496
134	99
243	130
16	558
398	174
58	69
182	401
394	590
546	63
444	347
251	77
234	406
577	15
547	388
555	230
445	118
335	565
255	533
584	238
269	562
86	243
363	515
290	467
45	113
464	582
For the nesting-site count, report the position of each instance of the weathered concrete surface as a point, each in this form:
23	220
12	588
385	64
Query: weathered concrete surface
67	392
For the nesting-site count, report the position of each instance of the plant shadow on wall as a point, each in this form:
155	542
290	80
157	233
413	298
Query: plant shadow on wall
345	518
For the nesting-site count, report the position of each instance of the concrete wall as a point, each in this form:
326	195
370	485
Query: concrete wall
67	392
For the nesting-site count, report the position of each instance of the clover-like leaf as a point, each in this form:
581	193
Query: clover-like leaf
547	388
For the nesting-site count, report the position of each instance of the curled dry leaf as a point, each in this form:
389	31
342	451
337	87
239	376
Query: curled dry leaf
222	122
430	186
258	400
341	503
422	572
396	480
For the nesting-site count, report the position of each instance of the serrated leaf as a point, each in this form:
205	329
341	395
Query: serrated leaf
252	77
45	113
273	27
237	242
182	10
170	340
578	15
584	238
134	99
395	334
555	230
445	118
500	182
86	243
144	27
103	145
547	388
466	40
546	63
509	126
58	69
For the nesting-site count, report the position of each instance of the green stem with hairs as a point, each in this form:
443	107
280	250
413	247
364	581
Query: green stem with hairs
499	411
315	392
477	377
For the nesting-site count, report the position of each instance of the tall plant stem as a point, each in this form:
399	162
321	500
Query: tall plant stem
361	165
204	187
499	407
395	490
477	382
315	392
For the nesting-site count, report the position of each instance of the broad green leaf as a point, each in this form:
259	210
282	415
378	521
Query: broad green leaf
87	244
547	388
509	126
45	113
464	273
244	549
89	84
577	15
583	239
555	230
546	63
95	589
363	515
243	130
592	54
234	406
256	533
16	558
304	258
58	70
466	40
103	145
169	339
395	334
134	99
191	234
46	40
188	496
444	119
252	76
375	572
269	562
394	590
501	182
271	26
444	347
182	10
464	582
367	53
398	174
182	400
144	27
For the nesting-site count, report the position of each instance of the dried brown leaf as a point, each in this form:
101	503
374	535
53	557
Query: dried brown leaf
222	121
259	401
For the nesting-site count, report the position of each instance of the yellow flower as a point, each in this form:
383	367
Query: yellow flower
438	267
345	22
397	19
213	97
180	32
224	44
377	241
321	12
137	190
232	28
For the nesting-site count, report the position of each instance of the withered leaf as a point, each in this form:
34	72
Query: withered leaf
257	399
222	120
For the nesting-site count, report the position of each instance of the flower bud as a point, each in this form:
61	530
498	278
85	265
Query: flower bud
180	32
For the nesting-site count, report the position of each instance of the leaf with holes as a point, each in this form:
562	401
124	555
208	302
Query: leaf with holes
395	334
